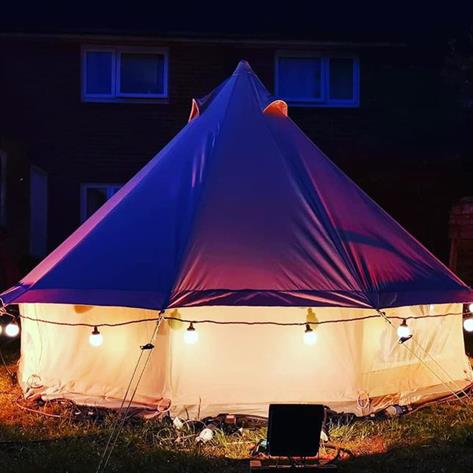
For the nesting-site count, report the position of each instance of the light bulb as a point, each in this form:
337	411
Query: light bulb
310	337
178	424
95	338
470	307
206	435
468	324
403	331
190	335
12	329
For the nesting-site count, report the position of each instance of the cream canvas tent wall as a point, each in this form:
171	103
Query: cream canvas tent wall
242	219
355	367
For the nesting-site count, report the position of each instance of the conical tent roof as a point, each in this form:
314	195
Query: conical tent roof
240	208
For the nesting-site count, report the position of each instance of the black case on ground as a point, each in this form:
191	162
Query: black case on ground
294	429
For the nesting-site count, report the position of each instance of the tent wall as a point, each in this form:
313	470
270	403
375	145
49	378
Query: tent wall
355	366
58	360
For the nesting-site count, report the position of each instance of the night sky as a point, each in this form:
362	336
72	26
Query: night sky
418	21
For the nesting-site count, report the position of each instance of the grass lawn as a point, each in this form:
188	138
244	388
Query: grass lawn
437	438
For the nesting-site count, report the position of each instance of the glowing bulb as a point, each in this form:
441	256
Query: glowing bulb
468	324
403	331
190	335
310	337
12	329
470	307
95	338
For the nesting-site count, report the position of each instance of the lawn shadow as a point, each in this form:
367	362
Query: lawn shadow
433	458
82	454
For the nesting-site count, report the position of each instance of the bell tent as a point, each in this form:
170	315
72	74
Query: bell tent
242	226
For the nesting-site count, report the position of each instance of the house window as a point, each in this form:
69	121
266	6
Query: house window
93	196
123	74
317	80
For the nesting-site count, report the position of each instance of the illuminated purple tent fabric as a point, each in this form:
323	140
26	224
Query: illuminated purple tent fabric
240	208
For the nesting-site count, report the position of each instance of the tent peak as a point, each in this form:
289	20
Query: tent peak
243	68
243	74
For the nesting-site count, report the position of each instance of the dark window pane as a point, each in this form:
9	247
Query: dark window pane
300	78
142	73
98	72
96	197
341	78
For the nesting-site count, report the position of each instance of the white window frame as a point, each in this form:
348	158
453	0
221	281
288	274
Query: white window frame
118	59
90	96
111	191
116	95
325	100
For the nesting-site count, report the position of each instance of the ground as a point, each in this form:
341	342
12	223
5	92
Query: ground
435	439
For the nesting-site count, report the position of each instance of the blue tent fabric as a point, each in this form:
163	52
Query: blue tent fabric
240	208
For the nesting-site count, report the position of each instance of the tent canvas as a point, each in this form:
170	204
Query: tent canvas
242	215
357	367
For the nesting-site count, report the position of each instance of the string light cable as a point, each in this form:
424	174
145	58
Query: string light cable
232	322
191	335
191	330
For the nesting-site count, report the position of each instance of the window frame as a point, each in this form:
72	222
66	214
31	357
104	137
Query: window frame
325	100
92	96
116	95
300	54
118	61
84	187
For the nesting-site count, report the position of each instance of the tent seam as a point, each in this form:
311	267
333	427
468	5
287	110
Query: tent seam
346	257
197	207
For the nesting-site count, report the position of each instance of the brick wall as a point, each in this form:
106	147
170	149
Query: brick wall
407	145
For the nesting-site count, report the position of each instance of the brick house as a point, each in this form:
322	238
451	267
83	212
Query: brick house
83	110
